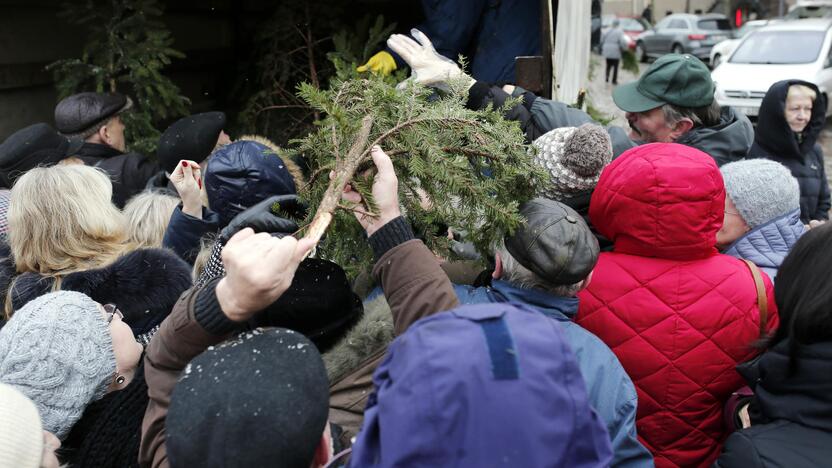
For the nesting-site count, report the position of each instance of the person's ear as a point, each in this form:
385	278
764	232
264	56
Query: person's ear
104	133
586	281
682	126
323	452
498	266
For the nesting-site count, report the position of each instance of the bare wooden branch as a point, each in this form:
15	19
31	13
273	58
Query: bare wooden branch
344	170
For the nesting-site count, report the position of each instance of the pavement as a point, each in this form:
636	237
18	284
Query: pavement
599	95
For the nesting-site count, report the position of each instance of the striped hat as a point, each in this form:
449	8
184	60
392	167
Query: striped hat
574	157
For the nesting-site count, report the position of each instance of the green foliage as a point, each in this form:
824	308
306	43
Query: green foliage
466	169
306	44
629	62
354	47
126	50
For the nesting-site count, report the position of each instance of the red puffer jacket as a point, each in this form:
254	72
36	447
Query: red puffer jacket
678	315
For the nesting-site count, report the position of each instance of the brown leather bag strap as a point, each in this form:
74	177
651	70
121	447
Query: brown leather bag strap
762	301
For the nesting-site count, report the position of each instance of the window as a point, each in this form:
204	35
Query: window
780	47
665	23
631	24
678	24
715	24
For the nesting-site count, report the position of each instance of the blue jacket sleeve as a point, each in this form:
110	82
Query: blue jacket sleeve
450	25
184	232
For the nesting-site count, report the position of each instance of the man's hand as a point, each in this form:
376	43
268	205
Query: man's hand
259	268
385	194
262	217
187	178
381	63
427	65
815	223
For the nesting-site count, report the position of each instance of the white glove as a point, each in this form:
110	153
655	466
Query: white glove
426	64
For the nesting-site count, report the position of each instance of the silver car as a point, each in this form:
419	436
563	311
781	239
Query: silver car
684	34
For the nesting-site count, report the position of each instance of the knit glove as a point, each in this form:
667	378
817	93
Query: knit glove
427	66
264	217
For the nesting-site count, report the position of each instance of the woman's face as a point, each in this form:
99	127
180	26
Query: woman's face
50	444
125	347
798	112
733	225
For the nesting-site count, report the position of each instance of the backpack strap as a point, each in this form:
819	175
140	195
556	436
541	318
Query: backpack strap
762	301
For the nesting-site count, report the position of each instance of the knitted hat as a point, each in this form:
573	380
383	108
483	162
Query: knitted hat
574	156
260	399
761	189
57	350
22	443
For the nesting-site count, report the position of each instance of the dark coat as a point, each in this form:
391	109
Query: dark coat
144	284
795	427
109	432
489	33
184	232
776	141
727	141
128	171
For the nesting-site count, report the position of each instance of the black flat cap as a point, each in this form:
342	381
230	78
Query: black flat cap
35	145
79	113
260	399
556	243
192	138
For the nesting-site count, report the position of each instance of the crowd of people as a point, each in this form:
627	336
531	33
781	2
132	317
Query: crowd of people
665	303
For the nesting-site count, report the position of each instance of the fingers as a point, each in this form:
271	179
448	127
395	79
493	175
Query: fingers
420	36
406	47
238	238
302	248
187	170
383	162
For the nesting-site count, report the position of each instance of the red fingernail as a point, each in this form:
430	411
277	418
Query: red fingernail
184	164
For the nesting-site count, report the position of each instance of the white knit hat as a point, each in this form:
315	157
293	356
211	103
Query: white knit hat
574	157
21	444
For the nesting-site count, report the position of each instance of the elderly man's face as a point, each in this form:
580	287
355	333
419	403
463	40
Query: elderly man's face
650	126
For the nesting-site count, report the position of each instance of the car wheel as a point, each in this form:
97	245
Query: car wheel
717	60
641	54
677	49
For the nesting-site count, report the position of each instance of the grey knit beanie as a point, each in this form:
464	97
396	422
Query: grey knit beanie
57	351
761	189
574	158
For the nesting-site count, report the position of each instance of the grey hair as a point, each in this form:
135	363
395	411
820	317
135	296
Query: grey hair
705	116
520	276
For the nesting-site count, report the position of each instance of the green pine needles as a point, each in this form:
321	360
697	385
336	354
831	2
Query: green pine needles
126	50
459	168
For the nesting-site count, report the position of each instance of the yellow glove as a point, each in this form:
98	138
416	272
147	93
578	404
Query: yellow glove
382	62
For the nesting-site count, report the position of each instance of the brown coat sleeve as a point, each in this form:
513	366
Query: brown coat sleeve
414	284
416	287
180	338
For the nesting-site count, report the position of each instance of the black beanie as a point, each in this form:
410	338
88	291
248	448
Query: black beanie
258	399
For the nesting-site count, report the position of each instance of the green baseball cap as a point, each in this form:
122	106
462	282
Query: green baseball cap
681	80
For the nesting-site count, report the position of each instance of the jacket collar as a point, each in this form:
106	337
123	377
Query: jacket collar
96	150
559	308
804	396
768	244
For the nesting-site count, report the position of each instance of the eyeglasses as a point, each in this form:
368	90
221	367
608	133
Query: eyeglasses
112	311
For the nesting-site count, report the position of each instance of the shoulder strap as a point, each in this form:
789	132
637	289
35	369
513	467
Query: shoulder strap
762	301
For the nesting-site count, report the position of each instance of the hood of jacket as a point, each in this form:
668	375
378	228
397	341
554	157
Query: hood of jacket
559	308
372	333
803	397
773	132
144	284
243	173
768	244
662	200
727	141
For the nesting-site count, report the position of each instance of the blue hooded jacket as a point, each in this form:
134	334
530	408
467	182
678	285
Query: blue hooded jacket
611	392
485	385
768	244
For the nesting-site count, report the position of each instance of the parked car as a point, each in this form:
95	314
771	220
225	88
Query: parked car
682	33
631	25
723	50
788	49
805	9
